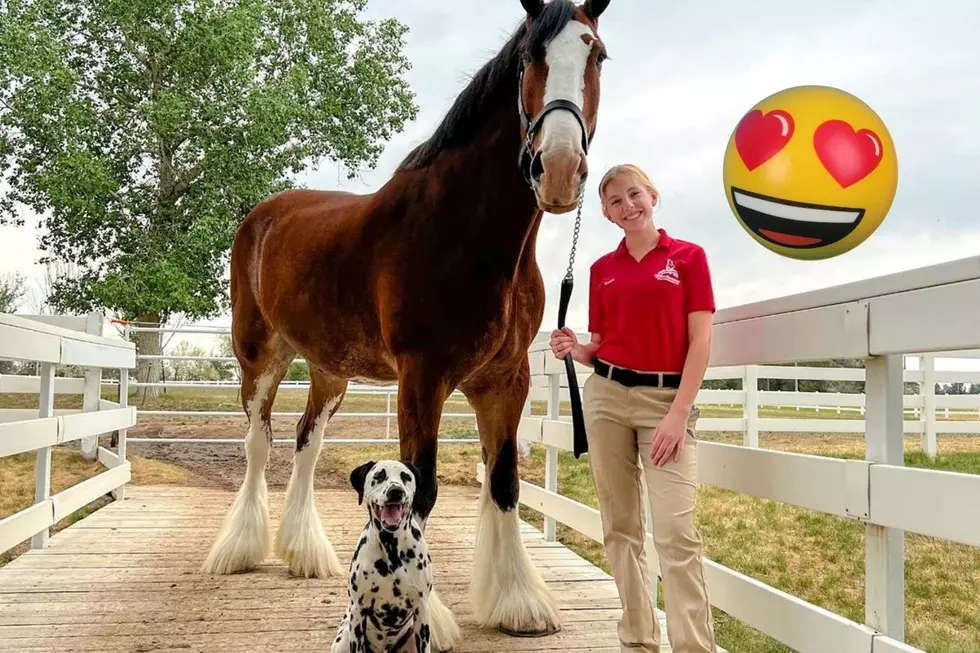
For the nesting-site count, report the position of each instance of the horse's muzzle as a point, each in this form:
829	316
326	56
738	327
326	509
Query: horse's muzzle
558	176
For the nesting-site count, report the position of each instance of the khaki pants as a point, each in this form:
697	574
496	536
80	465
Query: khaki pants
620	421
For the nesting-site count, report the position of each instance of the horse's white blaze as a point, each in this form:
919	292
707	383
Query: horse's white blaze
506	588
567	56
244	540
300	540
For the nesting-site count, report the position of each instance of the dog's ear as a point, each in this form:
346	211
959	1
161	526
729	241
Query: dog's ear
358	477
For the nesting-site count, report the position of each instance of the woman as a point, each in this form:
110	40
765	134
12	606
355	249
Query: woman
650	315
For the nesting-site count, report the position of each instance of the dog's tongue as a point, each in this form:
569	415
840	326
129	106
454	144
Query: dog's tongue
392	514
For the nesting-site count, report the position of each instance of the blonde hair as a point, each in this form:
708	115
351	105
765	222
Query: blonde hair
629	170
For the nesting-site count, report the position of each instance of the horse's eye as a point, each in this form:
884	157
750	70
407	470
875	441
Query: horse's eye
599	58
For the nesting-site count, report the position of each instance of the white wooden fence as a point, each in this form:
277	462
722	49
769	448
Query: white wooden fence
933	309
53	341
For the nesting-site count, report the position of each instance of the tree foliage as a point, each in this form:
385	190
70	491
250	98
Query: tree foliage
12	290
143	130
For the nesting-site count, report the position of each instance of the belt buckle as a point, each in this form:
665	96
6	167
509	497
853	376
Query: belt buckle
660	380
609	372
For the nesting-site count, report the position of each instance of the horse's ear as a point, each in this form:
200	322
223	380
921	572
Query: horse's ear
594	8
533	7
358	478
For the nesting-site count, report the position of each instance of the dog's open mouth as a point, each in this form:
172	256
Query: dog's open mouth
391	515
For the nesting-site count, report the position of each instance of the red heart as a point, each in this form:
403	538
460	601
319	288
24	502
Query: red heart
847	155
759	137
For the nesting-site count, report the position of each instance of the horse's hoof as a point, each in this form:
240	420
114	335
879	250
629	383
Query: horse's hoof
545	632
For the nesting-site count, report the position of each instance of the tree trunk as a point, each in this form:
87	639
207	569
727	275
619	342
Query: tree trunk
149	342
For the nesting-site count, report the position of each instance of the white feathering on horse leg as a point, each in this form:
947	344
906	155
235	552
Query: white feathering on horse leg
445	633
244	540
300	540
506	590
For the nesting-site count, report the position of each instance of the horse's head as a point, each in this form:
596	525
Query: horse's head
561	57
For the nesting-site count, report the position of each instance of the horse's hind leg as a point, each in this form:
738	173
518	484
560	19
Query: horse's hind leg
300	540
244	539
506	590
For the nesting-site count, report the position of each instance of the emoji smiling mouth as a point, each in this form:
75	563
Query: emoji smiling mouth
794	224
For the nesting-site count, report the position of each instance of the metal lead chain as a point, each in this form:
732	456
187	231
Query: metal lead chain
578	223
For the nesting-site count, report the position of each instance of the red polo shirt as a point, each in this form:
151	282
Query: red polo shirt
640	308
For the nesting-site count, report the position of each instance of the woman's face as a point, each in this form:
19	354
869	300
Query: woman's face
628	203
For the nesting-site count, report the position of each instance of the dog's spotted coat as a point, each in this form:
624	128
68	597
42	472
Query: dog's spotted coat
390	573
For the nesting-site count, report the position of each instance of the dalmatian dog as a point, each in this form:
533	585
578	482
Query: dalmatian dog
390	578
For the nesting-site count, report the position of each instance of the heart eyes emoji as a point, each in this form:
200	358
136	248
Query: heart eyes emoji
847	155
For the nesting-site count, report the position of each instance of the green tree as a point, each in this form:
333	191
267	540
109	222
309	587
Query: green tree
12	290
141	132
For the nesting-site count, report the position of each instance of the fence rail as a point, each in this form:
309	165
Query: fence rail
52	341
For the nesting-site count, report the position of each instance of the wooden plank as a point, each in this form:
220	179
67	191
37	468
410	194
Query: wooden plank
837	331
71	499
814	482
29	434
884	644
936	503
932	320
103	354
25	524
97	422
17	384
40	328
923	277
804	627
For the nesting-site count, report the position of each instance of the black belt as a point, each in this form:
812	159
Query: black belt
633	378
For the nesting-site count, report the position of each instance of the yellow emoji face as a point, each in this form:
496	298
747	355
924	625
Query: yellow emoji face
810	172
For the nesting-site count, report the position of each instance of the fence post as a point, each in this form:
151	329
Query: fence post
92	393
120	493
42	466
750	383
388	414
928	365
884	547
551	453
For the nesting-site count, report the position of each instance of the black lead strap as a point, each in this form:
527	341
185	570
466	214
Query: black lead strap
581	444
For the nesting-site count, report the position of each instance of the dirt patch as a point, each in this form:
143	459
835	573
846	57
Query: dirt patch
223	464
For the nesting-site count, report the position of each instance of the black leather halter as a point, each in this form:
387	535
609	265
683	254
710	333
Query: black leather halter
531	126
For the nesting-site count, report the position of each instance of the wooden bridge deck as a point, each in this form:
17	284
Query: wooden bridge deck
126	579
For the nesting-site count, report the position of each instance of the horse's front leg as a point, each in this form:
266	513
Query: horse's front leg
422	391
506	589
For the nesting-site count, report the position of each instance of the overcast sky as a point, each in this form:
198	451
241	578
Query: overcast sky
677	83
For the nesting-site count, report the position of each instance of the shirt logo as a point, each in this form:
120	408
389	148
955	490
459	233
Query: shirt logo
669	273
608	281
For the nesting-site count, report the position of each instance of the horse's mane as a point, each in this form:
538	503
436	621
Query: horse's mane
465	116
